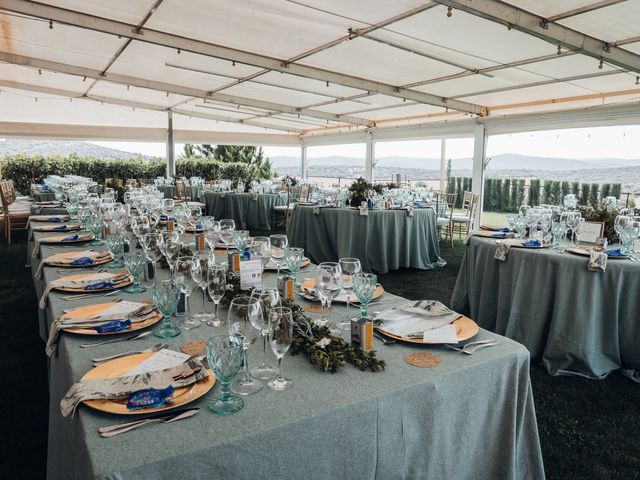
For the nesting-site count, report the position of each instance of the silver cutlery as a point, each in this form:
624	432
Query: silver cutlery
115	340
155	348
382	338
470	348
113	430
89	295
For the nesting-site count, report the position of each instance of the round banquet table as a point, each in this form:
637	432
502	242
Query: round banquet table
170	191
578	322
383	240
248	210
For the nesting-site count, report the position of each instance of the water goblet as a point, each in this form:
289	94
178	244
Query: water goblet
225	354
115	244
166	296
293	259
364	286
227	226
96	226
241	239
281	338
240	322
135	263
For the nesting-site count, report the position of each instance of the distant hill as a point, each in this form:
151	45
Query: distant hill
63	148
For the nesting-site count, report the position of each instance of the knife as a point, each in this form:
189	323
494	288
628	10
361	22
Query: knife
161	417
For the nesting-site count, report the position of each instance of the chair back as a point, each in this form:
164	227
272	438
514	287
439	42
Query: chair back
444	204
181	191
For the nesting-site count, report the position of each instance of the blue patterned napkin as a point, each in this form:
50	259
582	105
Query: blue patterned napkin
82	261
113	326
98	286
70	238
499	235
616	252
532	243
149	398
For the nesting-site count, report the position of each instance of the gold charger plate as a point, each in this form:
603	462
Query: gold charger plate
87	237
90	310
70	254
465	329
585	253
126	282
311	283
120	366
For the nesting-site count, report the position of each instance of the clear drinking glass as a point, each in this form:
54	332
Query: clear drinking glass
217	287
328	287
166	296
240	322
171	245
212	234
135	263
225	355
281	337
260	249
152	247
364	287
95	223
115	244
279	245
269	299
227	226
293	259
203	261
349	266
182	276
241	239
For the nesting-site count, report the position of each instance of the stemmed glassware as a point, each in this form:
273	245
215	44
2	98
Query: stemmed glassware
182	276
95	223
281	338
152	246
558	230
241	239
240	322
349	266
135	263
211	233
364	286
269	299
115	244
225	355
260	249
140	226
166	296
572	220
328	287
171	246
200	271
227	226
216	287
293	259
279	245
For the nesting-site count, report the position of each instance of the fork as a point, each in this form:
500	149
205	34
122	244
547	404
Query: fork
157	347
471	347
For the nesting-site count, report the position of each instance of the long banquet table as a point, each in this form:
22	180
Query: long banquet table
47	210
470	417
383	240
248	210
576	321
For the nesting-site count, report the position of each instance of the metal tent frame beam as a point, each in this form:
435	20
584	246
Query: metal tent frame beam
585	9
540	27
125	30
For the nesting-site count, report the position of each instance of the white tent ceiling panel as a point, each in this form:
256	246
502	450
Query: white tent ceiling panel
274	94
307	84
122	10
184	122
567	66
401	112
633	47
475	36
32	38
135	94
276	29
365	58
217	110
578	103
347	106
548	8
199	105
615	22
47	79
530	94
375	11
610	83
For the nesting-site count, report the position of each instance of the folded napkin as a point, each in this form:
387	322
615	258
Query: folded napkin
615	252
364	211
69	238
49	218
413	321
48	203
123	311
184	374
532	243
79	259
88	283
499	235
597	260
502	251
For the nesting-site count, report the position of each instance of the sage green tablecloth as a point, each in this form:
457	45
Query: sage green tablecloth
248	210
170	192
383	240
43	196
41	210
471	417
576	321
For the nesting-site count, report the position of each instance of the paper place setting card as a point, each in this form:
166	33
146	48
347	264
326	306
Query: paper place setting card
250	274
160	361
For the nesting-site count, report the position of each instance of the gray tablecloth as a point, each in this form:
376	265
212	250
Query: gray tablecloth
43	196
471	417
384	240
42	210
170	192
576	321
249	211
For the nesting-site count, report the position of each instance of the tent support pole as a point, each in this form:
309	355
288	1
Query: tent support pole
477	180
171	161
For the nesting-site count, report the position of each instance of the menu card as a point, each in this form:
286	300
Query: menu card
160	361
250	274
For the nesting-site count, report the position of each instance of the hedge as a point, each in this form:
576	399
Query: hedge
25	170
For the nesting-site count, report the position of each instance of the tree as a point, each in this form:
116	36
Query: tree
189	150
448	170
259	165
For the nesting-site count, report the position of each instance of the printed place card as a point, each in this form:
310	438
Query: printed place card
250	274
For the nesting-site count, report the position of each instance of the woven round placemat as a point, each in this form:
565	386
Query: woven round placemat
423	360
195	347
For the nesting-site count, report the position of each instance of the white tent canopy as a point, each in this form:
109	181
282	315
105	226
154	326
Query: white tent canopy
275	72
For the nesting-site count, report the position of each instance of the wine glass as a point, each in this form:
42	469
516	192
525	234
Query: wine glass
227	226
364	286
217	287
281	337
260	249
182	276
166	296
269	299
140	226
135	263
212	234
279	244
171	246
202	262
115	245
225	355
349	266
328	287
293	259
240	322
152	247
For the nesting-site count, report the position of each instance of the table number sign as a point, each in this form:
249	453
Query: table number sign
589	232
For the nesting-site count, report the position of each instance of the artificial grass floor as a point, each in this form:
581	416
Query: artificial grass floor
588	429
